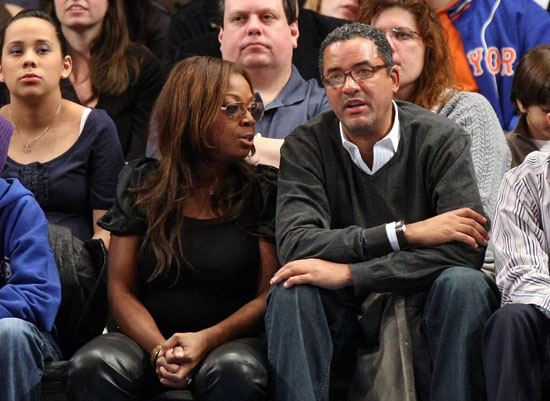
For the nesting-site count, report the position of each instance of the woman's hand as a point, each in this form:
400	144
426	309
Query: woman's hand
173	375
179	356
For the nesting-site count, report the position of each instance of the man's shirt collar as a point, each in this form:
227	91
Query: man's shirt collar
383	150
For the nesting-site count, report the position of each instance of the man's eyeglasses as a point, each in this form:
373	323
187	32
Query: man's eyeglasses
401	34
358	74
235	109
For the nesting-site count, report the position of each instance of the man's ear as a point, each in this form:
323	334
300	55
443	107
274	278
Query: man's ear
220	40
294	33
396	79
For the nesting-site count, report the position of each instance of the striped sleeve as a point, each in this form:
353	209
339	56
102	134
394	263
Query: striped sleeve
521	234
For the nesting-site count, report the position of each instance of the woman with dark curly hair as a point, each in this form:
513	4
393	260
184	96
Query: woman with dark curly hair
191	251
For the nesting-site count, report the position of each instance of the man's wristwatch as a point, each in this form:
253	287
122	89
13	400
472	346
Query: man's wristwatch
400	229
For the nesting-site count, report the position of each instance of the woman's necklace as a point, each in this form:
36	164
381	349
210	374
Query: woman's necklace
27	146
209	190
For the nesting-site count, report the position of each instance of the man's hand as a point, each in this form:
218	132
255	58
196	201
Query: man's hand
464	225
320	273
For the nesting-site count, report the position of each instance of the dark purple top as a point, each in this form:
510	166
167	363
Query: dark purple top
71	186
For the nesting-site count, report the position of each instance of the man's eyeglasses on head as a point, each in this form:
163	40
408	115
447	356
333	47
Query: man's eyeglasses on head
401	34
235	109
358	74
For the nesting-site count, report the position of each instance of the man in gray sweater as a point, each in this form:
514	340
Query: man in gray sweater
349	181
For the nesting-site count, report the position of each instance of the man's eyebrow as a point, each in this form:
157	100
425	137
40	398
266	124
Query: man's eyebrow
246	11
239	11
365	63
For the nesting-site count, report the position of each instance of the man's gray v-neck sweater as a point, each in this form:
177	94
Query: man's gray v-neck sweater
330	209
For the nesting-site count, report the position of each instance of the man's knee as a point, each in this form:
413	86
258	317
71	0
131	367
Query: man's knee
464	284
518	318
295	297
460	296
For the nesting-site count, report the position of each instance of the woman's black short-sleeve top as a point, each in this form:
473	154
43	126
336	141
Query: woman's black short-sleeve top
223	256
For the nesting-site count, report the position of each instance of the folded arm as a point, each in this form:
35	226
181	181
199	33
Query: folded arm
455	236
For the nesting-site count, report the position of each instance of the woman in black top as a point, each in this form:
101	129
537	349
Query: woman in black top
191	251
109	71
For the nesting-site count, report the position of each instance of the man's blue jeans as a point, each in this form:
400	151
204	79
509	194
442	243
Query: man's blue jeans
25	349
307	326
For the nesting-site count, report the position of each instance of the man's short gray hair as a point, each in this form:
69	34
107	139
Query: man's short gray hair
363	31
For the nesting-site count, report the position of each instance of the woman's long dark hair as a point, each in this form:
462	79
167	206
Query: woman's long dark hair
113	65
183	118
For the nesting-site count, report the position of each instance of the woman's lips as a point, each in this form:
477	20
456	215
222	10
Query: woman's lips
29	78
248	140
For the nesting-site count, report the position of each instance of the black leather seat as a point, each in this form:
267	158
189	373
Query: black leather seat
82	315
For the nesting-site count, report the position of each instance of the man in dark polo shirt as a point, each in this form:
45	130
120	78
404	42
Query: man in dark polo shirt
284	75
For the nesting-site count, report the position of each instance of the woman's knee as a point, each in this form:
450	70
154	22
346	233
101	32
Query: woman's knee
110	365
235	370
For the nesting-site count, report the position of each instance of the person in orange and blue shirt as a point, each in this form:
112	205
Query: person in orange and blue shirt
487	40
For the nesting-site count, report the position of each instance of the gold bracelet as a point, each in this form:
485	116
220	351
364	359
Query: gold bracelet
155	354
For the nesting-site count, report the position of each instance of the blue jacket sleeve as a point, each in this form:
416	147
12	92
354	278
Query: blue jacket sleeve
32	291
